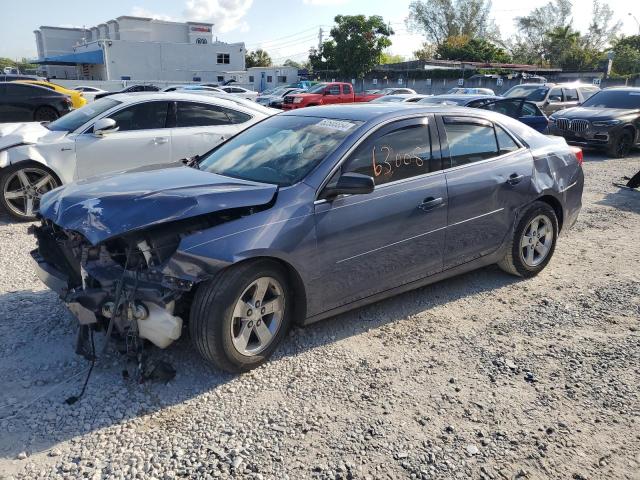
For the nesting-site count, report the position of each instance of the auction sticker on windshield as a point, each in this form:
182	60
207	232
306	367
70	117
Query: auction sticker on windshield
340	125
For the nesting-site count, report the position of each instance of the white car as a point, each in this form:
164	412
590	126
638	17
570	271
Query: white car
399	98
115	133
240	92
89	92
192	88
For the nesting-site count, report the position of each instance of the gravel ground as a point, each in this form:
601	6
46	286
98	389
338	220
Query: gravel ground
481	376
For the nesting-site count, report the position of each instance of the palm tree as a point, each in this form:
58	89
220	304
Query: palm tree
258	58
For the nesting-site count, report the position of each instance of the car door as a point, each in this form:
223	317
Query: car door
570	98
201	126
332	95
488	180
347	94
19	102
142	138
373	242
531	115
554	102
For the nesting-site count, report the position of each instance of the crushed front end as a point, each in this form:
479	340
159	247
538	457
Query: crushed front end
118	285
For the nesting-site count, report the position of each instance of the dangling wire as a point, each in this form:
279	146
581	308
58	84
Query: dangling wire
73	399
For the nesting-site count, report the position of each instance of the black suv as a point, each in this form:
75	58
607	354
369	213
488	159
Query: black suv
610	119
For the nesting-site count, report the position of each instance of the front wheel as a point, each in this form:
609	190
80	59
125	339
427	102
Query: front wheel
621	144
533	242
239	318
46	114
21	187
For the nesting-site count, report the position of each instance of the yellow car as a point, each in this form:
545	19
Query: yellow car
76	97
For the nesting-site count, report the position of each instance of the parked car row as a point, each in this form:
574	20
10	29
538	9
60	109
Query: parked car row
286	222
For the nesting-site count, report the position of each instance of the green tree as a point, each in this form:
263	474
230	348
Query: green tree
356	46
439	20
291	63
387	58
626	60
471	50
529	46
322	59
426	52
258	58
602	30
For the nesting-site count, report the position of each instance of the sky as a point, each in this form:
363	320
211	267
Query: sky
285	28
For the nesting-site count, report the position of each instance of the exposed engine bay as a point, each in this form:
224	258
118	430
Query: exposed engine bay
120	286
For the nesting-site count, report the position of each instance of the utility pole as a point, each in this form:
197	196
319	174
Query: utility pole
320	33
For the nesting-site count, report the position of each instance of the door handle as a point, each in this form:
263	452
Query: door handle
430	203
514	179
160	140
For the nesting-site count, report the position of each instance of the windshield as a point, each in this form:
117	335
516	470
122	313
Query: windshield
444	101
614	99
77	118
281	150
319	88
534	93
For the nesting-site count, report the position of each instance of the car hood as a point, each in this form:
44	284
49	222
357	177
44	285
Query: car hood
26	133
104	207
594	113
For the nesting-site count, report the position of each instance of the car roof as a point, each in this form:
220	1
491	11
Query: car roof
366	112
623	89
466	96
175	96
35	86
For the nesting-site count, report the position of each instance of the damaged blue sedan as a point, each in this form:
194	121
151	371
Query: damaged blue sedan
301	217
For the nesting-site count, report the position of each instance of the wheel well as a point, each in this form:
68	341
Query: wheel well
632	129
554	203
295	281
39	165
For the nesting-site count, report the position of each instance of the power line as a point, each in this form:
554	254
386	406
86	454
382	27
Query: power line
276	40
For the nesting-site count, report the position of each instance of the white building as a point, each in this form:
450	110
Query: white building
262	78
137	48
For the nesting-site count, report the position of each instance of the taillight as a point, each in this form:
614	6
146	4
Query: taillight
579	156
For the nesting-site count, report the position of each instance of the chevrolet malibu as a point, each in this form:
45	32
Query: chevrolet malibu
303	216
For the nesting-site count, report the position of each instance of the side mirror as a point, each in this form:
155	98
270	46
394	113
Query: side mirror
349	184
105	126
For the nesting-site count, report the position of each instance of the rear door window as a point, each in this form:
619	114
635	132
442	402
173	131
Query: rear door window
192	114
470	140
555	95
530	110
570	94
346	89
506	144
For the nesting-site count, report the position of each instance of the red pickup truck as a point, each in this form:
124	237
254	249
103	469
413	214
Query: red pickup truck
321	94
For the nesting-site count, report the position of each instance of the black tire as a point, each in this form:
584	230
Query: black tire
46	114
211	318
7	175
513	261
621	144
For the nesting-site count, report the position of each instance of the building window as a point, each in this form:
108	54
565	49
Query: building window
282	79
197	79
223	58
269	79
251	79
220	78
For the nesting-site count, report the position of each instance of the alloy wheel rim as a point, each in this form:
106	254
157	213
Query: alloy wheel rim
536	241
24	189
257	316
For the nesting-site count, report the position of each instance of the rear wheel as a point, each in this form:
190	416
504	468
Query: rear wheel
533	242
239	318
46	114
621	144
22	186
